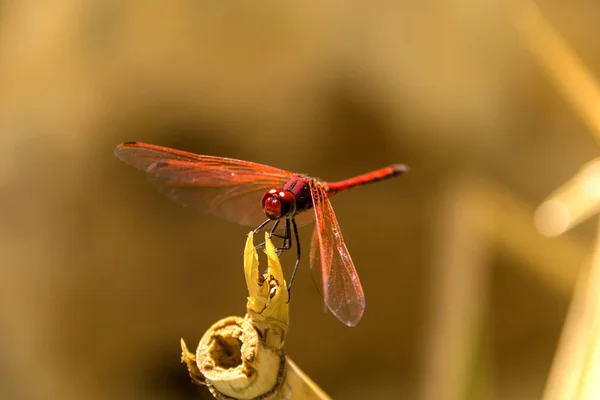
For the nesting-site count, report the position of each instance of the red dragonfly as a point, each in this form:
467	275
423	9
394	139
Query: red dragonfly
231	189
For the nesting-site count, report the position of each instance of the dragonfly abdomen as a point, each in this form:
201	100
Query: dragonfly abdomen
369	177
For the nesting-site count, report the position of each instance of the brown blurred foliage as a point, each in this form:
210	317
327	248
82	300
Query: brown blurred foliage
101	276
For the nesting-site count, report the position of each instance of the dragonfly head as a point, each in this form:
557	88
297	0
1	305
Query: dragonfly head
279	203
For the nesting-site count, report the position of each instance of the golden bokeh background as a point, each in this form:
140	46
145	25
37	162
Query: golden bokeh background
101	275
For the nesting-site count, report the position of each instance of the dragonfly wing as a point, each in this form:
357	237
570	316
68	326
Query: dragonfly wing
141	155
304	218
315	265
228	188
238	201
332	265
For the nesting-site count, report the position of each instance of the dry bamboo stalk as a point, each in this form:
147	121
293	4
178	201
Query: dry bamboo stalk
568	72
460	286
572	203
574	343
243	358
575	372
481	215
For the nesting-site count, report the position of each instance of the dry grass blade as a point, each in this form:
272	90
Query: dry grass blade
575	372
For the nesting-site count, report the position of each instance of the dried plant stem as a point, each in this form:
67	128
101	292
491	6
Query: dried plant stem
243	358
575	372
568	72
453	363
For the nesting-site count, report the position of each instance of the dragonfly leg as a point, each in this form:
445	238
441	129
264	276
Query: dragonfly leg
285	244
287	239
273	234
299	252
286	236
260	227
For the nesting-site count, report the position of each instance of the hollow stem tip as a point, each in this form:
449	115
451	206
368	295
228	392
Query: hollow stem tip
243	358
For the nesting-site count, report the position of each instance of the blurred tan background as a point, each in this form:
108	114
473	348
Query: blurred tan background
101	275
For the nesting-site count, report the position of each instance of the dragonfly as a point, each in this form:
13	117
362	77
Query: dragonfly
246	192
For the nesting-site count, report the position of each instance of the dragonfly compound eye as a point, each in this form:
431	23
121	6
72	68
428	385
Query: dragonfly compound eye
278	203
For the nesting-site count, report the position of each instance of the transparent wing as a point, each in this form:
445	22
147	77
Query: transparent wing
330	262
304	218
315	264
228	188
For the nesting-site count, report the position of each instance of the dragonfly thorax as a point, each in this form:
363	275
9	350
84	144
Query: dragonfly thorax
279	203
